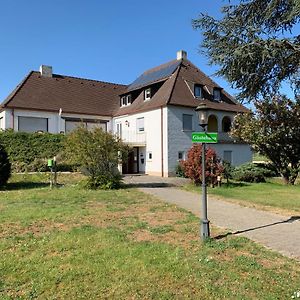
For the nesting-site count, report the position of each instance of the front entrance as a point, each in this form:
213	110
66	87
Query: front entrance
131	166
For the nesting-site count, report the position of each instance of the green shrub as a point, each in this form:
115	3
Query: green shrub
249	172
28	152
179	171
98	154
5	166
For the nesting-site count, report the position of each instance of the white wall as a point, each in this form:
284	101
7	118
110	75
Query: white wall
152	124
56	124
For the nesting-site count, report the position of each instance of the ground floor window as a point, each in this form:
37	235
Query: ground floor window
181	155
227	156
73	124
32	124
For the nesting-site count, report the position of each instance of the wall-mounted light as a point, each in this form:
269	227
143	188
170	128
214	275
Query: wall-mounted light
127	123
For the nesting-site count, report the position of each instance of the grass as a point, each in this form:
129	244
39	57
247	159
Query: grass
70	243
272	195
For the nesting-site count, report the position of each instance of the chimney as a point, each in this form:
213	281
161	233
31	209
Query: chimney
46	71
181	54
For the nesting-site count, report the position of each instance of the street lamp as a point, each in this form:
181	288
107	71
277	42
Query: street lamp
202	111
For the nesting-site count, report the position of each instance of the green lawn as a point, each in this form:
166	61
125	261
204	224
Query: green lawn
272	195
69	243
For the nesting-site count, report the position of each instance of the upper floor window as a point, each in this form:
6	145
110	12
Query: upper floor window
140	125
198	91
187	122
126	100
147	94
217	94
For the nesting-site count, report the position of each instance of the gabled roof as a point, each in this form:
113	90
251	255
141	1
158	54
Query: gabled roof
177	88
71	94
173	83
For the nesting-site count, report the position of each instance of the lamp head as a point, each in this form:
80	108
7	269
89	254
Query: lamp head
202	111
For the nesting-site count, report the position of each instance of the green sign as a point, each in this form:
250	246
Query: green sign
204	137
50	162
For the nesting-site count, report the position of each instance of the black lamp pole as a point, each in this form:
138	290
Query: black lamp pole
204	232
202	112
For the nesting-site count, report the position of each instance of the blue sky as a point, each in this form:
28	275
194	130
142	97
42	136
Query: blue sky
104	40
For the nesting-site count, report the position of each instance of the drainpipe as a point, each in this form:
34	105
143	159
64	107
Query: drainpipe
162	141
13	119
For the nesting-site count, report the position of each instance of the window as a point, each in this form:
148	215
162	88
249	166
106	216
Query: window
187	122
119	130
181	155
227	156
32	124
147	94
126	100
140	125
71	125
198	91
217	94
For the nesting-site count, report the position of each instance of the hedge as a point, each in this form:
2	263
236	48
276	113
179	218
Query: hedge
30	151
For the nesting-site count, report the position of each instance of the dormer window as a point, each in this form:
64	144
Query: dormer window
198	91
126	100
147	94
217	94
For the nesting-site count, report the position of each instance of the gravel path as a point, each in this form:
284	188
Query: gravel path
279	233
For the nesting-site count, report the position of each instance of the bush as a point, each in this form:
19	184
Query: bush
5	166
192	166
249	172
98	153
28	152
179	170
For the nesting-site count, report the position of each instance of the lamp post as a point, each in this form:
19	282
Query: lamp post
202	111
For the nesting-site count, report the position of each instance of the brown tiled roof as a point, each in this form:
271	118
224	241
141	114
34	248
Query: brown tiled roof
71	94
177	90
84	96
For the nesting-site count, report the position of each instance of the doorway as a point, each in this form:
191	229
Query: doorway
131	166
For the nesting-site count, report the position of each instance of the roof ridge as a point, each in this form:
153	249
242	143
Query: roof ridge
81	78
16	90
153	69
175	80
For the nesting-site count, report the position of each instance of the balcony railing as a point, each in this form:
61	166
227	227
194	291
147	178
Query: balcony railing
132	137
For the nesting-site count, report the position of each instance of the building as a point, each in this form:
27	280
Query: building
155	114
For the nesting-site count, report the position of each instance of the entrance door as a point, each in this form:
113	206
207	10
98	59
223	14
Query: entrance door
131	166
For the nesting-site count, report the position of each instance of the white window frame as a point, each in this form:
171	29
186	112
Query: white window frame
147	94
200	87
217	94
183	155
140	129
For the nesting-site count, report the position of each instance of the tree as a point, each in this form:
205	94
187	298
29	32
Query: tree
5	166
274	131
254	45
99	153
192	166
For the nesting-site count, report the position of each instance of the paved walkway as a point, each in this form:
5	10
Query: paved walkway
277	232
